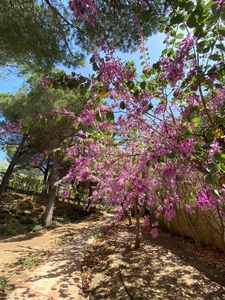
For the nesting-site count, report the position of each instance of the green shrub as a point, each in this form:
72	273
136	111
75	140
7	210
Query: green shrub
37	228
4	283
12	208
11	228
27	220
30	261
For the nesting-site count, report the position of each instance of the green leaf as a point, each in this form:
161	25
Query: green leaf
222	31
145	15
55	85
148	163
143	85
209	179
171	154
222	15
57	118
43	121
136	93
193	20
130	84
219	156
215	193
177	19
63	85
160	158
150	106
110	116
27	121
195	109
211	168
196	121
122	105
199	32
98	117
142	175
215	57
94	66
221	167
204	50
180	35
25	129
156	66
220	46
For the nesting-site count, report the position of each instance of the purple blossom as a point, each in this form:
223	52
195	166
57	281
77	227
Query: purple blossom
45	82
187	147
112	94
222	213
188	209
205	199
84	9
146	220
214	147
169	172
65	193
219	3
143	5
154	232
169	213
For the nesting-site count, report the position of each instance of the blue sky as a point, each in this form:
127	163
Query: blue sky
155	46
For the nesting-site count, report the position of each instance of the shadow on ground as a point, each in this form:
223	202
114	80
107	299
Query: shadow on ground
161	269
60	276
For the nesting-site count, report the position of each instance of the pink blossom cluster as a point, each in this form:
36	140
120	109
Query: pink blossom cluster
84	10
205	198
175	66
63	111
155	156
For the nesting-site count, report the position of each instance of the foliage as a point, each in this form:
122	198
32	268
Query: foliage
111	19
37	35
34	115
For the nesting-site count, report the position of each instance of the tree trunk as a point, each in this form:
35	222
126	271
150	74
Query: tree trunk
138	226
19	152
45	182
47	222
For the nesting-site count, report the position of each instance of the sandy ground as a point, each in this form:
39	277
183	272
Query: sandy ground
19	255
163	268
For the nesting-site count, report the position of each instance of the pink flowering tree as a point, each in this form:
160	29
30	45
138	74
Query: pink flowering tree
166	148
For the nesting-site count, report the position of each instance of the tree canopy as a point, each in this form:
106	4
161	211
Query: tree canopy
40	34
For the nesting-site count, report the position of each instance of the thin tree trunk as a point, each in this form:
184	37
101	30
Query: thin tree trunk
138	226
19	152
45	182
51	193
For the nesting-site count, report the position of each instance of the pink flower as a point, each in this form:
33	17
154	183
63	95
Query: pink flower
154	232
146	220
65	193
38	116
112	94
143	5
169	213
205	199
45	81
188	209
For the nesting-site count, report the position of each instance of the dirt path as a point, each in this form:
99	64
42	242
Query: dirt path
20	255
164	268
